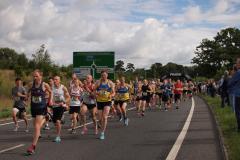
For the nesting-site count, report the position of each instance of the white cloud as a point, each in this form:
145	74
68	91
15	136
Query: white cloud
223	12
92	26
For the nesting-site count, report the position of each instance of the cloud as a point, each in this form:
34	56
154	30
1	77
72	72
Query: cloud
224	12
96	25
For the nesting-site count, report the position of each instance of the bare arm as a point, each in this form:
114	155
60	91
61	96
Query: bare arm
67	96
113	89
49	90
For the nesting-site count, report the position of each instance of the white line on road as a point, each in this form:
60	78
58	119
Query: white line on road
176	147
92	122
21	145
4	124
12	148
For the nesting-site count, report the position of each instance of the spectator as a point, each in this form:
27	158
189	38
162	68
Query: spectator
230	90
234	87
223	89
212	88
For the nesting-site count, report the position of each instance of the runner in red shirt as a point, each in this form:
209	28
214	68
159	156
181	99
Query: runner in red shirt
178	89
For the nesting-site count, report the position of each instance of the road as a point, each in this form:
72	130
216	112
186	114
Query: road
155	136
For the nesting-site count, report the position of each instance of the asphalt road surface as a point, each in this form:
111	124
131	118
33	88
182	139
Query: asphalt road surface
159	135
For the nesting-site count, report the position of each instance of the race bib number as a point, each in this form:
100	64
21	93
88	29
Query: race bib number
103	93
36	99
144	94
75	99
17	98
57	99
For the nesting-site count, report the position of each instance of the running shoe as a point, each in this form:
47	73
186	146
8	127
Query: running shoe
46	127
26	130
139	114
57	139
16	128
120	119
73	131
102	137
84	131
31	150
96	131
126	122
142	114
177	107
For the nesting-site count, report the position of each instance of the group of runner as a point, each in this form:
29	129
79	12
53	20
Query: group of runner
50	100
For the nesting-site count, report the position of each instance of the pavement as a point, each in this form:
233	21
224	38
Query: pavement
151	137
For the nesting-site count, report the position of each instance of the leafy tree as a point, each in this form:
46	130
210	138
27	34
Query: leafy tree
8	58
212	55
130	67
42	60
119	68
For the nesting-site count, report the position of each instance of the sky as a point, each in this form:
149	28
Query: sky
141	32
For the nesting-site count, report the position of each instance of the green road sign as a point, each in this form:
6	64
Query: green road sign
93	63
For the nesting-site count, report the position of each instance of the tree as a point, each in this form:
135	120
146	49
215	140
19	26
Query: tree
119	68
212	55
155	70
8	58
42	60
130	67
228	41
172	68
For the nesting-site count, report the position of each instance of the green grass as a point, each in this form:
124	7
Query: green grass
227	122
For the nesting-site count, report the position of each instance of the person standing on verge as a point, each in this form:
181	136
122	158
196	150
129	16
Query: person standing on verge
234	85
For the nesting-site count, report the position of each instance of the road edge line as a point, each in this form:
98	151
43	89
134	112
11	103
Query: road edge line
178	143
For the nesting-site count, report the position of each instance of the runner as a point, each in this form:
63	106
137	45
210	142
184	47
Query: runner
178	89
104	92
71	83
166	88
170	83
139	98
89	104
37	91
48	116
19	96
122	90
116	106
190	89
146	90
185	90
135	88
152	92
158	93
61	100
75	103
132	97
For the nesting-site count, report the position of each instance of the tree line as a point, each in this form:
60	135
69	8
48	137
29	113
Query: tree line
23	66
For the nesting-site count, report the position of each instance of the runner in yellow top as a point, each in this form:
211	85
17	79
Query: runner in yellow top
104	92
122	90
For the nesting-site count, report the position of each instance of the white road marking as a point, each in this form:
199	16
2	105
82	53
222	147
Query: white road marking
176	147
21	145
4	124
97	120
12	148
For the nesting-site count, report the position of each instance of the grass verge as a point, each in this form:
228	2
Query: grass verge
227	123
